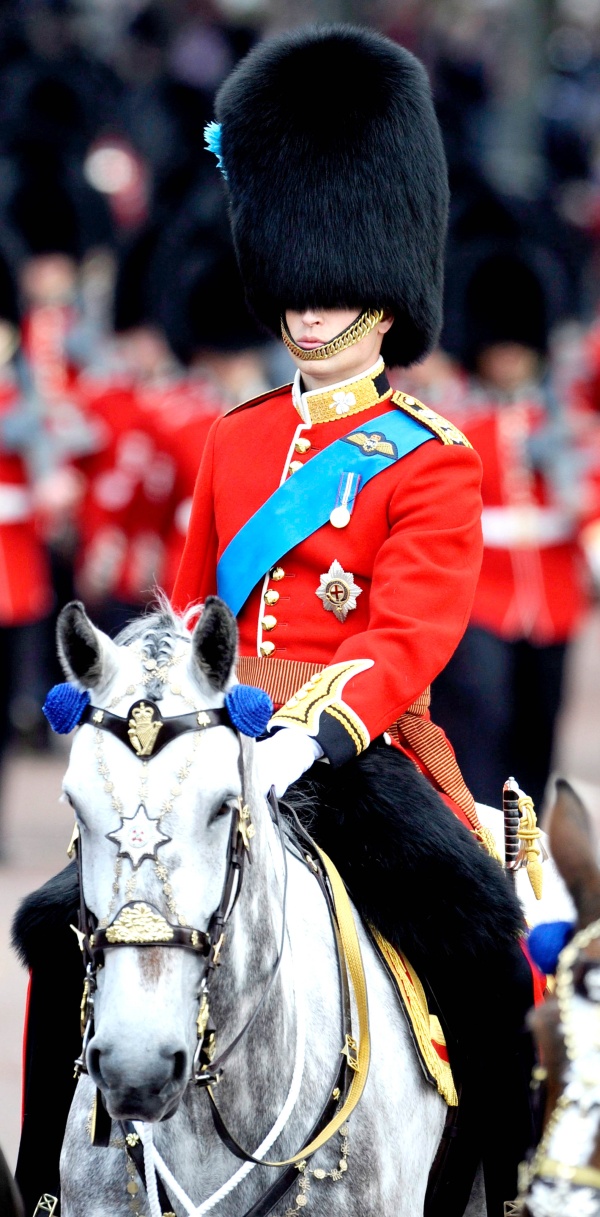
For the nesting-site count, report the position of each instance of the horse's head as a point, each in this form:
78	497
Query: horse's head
564	1177
157	801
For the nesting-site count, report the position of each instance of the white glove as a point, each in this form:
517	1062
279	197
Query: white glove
284	757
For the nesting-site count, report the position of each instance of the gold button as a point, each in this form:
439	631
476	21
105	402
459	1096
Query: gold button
410	401
294	466
302	445
271	597
277	573
266	649
269	622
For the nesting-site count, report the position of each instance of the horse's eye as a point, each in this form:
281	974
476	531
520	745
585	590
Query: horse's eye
224	809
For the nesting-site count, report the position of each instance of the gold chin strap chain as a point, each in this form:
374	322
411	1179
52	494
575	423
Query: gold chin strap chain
543	1167
359	1058
353	333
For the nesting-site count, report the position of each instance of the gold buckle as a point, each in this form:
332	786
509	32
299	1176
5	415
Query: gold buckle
46	1204
350	1051
246	828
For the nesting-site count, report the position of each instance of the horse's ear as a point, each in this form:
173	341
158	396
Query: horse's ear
85	653
574	851
214	642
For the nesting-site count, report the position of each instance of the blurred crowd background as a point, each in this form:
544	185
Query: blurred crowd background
123	329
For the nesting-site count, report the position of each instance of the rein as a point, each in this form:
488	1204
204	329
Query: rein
141	924
545	1169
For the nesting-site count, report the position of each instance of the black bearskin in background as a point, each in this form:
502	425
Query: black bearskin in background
513	272
505	302
337	181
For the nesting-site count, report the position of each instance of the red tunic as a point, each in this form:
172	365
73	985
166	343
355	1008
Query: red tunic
25	589
413	547
533	581
180	418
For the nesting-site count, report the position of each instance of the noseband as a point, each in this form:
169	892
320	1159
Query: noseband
573	1188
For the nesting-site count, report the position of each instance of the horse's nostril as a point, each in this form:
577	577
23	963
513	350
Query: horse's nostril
93	1063
179	1066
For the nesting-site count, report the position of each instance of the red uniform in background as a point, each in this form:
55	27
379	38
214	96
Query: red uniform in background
25	589
113	475
533	581
500	696
139	484
180	418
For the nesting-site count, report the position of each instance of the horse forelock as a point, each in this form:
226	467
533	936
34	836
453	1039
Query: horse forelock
157	634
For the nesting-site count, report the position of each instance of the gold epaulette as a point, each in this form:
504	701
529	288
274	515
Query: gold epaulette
445	430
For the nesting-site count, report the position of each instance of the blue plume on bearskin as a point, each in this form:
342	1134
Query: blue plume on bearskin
64	706
249	709
546	941
212	139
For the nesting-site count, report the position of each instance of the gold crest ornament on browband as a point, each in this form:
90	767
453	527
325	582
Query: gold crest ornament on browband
143	729
353	333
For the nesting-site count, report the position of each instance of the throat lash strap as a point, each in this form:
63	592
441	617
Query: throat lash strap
145	731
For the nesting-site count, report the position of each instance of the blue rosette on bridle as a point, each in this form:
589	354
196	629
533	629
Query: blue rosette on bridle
250	709
64	706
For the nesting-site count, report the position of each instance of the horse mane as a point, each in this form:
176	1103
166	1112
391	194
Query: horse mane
158	632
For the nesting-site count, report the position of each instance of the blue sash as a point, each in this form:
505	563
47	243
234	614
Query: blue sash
305	500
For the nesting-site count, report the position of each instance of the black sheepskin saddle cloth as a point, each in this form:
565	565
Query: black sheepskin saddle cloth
422	880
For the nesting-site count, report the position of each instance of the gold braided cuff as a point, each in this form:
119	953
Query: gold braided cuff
322	694
353	333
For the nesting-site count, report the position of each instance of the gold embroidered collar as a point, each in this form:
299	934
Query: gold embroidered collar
344	399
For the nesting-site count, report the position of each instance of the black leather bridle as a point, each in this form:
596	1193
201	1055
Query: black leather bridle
94	941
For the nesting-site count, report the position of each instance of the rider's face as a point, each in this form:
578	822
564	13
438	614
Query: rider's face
312	328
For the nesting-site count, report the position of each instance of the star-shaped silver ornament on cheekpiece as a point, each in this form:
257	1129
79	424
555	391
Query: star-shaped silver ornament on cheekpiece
138	837
338	591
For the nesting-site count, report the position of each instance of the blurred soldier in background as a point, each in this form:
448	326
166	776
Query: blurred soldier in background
185	349
25	585
499	696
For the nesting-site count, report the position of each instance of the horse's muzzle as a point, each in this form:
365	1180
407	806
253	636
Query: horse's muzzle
150	1092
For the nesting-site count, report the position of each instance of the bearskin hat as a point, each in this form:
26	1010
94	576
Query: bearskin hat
337	181
506	279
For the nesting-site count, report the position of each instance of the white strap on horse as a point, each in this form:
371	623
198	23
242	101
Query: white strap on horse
154	1162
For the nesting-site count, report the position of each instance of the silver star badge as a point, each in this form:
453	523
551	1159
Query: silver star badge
138	837
338	591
